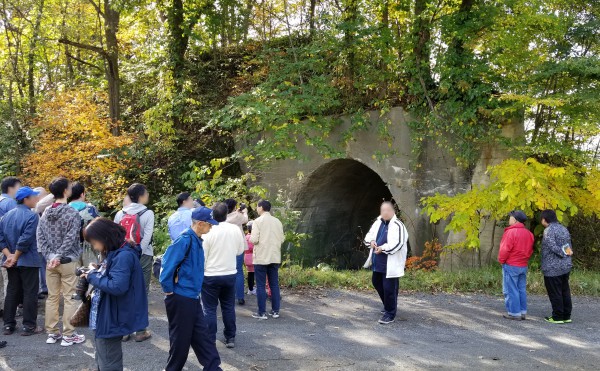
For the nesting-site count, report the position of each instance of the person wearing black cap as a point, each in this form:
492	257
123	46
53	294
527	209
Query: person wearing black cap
516	248
181	278
22	261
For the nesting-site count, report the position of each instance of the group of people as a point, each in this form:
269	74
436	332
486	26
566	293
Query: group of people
203	268
46	237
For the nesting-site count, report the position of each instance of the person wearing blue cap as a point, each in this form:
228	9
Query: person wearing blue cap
181	278
22	261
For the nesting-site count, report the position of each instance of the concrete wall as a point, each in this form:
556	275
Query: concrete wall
305	181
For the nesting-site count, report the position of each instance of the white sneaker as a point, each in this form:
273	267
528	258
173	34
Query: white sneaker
251	292
73	339
53	338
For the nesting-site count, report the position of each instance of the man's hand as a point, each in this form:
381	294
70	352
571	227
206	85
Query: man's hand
378	250
53	263
10	261
93	266
168	293
374	244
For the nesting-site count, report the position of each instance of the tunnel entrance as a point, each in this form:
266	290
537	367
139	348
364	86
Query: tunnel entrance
339	202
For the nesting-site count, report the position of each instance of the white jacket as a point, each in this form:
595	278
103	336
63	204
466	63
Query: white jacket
221	246
395	248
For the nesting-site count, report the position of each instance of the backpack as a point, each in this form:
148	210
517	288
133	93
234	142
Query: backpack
133	226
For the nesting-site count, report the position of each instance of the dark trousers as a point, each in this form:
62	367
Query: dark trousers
23	285
109	354
387	288
187	327
215	290
250	281
43	287
262	273
559	293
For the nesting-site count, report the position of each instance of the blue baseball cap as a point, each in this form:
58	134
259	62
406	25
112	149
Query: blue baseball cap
204	214
25	192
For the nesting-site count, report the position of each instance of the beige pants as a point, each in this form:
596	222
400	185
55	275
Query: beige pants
61	279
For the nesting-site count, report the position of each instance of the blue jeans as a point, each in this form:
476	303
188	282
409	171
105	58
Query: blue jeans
261	273
215	290
514	287
239	277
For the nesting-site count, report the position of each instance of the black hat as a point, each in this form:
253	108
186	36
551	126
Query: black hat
519	216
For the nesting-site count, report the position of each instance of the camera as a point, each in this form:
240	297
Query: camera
82	285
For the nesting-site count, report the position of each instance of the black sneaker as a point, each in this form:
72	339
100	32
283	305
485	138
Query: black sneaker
274	314
386	320
260	316
230	343
2	344
241	302
8	330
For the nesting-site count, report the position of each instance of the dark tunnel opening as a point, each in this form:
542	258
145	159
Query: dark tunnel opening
339	202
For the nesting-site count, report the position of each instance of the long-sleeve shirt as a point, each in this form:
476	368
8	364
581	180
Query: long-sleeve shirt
18	232
555	261
58	233
267	237
147	224
222	245
7	203
179	222
516	246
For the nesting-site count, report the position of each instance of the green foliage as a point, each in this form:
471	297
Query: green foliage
483	281
526	185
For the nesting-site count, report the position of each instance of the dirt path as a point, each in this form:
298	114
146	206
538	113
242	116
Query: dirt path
337	330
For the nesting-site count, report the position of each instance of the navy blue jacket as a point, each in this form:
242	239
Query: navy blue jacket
123	307
17	232
191	273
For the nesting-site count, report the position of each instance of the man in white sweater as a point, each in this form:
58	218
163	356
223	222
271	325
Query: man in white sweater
221	246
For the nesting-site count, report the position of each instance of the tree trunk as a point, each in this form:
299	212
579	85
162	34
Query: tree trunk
311	17
111	27
31	58
421	49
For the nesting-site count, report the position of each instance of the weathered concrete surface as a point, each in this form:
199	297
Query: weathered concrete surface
339	198
337	330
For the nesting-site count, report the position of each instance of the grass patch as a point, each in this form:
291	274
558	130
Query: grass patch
486	280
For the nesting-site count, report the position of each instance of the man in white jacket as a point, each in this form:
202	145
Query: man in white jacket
387	240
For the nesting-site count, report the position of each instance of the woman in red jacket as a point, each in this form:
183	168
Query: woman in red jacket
515	250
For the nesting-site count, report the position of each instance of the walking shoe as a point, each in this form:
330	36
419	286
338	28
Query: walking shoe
53	338
42	295
142	336
251	292
523	317
386	320
274	314
32	331
126	338
73	339
260	316
8	330
552	320
241	302
230	343
568	321
514	318
2	344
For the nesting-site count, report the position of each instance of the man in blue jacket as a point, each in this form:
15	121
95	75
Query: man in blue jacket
22	261
181	279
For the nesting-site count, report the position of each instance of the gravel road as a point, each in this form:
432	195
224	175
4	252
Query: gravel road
338	330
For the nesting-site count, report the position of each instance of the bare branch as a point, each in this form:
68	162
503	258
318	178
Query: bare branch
97	7
84	46
83	62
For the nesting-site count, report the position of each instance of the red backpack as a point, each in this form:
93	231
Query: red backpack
133	226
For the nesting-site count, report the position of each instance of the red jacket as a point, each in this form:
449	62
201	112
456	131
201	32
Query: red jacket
516	246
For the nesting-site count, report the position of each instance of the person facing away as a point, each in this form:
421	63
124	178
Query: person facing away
87	212
10	185
557	252
58	240
248	260
181	219
238	217
516	248
267	237
181	279
221	246
119	303
138	222
387	240
22	262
